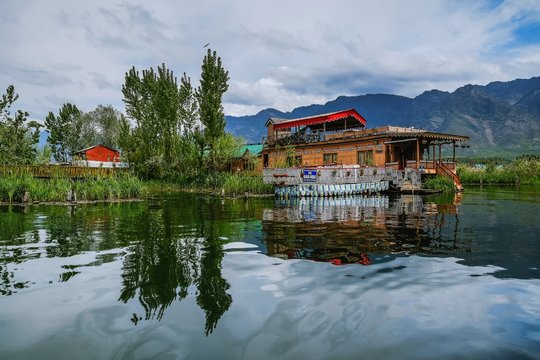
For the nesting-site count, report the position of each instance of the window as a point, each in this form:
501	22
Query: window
330	159
249	164
365	157
298	160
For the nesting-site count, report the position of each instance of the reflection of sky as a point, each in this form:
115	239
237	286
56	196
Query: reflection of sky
411	307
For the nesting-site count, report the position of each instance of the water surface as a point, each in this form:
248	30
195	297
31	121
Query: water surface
189	277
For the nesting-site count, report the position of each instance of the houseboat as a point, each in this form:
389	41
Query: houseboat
303	155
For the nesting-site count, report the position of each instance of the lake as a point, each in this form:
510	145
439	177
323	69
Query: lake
184	276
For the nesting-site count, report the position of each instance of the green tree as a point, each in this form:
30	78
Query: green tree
64	131
103	126
44	155
18	136
209	95
153	101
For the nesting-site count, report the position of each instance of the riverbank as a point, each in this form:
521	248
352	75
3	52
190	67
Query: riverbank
25	189
224	184
524	170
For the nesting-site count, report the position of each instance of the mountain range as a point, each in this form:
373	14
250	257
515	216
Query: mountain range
501	118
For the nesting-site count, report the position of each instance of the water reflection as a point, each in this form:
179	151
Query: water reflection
165	247
177	250
352	230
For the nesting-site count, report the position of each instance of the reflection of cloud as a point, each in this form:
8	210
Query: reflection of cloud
311	310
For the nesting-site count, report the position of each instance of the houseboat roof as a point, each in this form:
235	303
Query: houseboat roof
404	133
313	121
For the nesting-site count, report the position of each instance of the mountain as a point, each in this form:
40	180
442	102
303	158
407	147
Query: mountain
501	118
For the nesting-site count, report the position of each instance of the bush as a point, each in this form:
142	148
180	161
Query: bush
442	183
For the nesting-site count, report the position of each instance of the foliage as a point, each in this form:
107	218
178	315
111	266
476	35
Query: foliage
442	183
14	186
64	130
73	130
522	170
154	100
104	124
44	155
241	183
179	131
209	96
18	137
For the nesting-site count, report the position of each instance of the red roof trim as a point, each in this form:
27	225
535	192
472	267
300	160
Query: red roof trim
319	119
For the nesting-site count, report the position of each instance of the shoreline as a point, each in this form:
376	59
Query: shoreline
71	203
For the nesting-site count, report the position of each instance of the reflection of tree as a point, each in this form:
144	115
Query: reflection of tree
171	257
159	267
212	296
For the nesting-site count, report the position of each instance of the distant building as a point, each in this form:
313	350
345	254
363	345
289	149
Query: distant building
98	156
248	158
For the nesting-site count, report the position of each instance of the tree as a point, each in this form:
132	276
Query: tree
18	136
64	131
103	126
153	101
209	95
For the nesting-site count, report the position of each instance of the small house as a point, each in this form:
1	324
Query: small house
247	158
97	156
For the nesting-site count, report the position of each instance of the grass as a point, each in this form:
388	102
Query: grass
232	184
523	170
13	188
253	184
442	183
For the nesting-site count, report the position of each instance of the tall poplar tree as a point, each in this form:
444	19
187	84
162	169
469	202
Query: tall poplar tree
209	95
63	131
153	100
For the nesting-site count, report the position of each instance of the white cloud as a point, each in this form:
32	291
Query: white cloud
279	54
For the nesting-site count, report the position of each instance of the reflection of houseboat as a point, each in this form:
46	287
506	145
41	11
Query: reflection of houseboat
339	140
341	230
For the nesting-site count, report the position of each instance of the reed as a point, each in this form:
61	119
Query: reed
240	184
442	183
23	187
522	170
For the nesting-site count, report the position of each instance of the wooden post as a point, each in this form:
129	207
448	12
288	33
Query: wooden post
417	154
440	154
454	152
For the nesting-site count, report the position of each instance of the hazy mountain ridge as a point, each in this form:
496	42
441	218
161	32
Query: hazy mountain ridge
500	117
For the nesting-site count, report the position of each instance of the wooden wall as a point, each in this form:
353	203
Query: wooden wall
347	154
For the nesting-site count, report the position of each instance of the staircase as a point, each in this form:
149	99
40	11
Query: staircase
444	170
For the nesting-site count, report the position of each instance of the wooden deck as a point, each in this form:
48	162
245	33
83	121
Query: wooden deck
50	171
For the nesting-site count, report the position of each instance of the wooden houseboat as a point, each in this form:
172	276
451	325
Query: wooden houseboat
342	139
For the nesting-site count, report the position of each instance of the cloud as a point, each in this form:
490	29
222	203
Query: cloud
279	54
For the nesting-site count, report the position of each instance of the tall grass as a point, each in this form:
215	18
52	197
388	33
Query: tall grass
442	183
240	184
232	184
13	188
522	170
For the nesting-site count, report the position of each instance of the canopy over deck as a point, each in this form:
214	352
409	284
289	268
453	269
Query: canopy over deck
342	119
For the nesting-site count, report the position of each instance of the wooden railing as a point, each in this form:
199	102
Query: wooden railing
444	170
288	138
49	171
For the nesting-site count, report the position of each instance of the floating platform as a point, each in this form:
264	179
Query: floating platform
337	181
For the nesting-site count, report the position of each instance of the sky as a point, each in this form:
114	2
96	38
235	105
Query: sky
280	54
